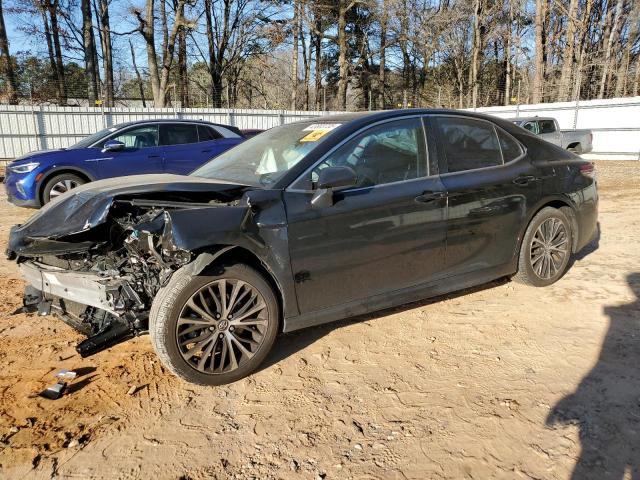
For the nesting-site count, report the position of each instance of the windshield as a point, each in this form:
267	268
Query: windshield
264	159
91	139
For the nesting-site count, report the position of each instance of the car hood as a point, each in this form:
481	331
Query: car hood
38	154
87	206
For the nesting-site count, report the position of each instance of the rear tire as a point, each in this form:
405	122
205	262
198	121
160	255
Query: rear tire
208	338
60	184
546	248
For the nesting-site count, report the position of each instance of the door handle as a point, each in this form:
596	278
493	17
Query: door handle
153	156
208	150
524	180
427	197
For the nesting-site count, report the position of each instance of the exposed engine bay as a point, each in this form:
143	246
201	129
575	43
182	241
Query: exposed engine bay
100	273
106	290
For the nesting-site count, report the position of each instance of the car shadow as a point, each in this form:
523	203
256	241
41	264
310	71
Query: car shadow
606	404
288	344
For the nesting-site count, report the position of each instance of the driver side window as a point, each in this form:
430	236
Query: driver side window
387	153
139	137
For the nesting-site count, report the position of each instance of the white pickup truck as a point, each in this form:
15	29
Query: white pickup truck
577	141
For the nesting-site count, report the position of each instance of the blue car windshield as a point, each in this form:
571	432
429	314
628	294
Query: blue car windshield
91	139
262	160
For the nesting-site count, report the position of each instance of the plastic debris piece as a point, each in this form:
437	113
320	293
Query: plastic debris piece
54	392
66	375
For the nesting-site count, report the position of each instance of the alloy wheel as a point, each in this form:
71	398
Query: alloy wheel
63	186
222	326
549	248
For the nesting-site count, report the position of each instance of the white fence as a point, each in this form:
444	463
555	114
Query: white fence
25	128
615	122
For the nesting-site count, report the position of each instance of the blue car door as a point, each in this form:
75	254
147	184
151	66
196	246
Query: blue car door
187	146
141	154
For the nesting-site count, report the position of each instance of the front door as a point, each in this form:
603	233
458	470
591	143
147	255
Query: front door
384	234
489	184
140	155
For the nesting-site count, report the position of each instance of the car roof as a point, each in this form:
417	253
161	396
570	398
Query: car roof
383	114
171	120
527	119
359	119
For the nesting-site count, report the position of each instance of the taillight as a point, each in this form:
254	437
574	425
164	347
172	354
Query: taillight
588	169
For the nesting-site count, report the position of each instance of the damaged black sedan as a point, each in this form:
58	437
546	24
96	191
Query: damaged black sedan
301	225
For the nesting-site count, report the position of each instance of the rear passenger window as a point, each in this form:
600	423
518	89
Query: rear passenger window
206	134
468	143
547	126
177	134
510	148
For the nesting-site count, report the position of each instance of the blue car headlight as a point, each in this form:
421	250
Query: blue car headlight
24	168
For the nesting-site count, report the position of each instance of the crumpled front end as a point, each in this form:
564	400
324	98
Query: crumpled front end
100	274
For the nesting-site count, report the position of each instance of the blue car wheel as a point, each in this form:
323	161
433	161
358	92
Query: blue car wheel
60	184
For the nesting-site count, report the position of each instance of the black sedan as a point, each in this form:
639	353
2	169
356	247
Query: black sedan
301	225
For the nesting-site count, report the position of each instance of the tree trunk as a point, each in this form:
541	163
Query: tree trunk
383	48
636	78
88	43
306	60
343	65
183	76
476	49
540	58
216	78
318	60
138	76
582	39
52	7
107	52
507	57
621	78
611	39
6	64
568	60
294	57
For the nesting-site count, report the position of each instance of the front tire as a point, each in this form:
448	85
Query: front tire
214	329
60	184
546	248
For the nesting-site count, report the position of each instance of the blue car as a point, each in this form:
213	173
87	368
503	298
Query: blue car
157	146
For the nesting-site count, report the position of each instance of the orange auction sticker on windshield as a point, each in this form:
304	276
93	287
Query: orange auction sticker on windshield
317	131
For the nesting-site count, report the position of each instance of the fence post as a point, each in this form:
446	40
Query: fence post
281	117
231	117
38	126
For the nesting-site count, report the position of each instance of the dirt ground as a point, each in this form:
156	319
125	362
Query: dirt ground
501	381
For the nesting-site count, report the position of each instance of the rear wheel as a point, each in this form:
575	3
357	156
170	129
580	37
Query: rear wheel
214	329
60	184
545	249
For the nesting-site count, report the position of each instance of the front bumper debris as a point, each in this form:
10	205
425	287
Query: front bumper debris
109	293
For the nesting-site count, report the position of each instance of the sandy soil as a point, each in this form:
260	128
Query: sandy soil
502	381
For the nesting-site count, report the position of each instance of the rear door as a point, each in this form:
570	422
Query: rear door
141	154
215	140
489	184
385	234
182	150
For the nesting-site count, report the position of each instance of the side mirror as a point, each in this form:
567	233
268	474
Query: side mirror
330	178
113	146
